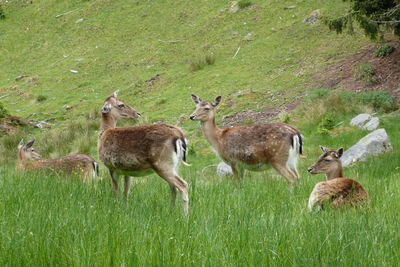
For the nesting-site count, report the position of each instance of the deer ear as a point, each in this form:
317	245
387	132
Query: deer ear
216	101
21	144
340	152
30	144
196	99
106	108
324	149
115	94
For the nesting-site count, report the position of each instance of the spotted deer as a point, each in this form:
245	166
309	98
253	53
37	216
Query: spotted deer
75	164
141	150
251	147
336	191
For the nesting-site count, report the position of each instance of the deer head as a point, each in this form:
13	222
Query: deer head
329	163
26	151
204	110
117	109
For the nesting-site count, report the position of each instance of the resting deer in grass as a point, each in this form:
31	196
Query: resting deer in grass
336	191
76	164
251	147
141	150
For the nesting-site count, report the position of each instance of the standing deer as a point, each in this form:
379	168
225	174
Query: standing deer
75	164
336	191
251	147
141	150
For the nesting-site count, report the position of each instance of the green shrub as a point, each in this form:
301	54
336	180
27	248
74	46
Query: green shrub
327	123
3	111
365	71
380	100
384	50
41	98
244	3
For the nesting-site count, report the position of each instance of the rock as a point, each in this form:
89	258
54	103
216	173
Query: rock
289	7
79	21
365	122
74	71
248	37
313	18
372	144
224	169
20	77
234	7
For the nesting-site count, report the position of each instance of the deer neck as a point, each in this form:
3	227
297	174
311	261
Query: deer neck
212	133
336	173
107	122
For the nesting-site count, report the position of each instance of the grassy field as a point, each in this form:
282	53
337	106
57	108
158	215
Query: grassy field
46	220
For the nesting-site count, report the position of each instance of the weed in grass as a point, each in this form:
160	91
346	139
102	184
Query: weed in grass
327	123
244	3
384	50
41	98
2	14
365	72
199	64
319	93
3	111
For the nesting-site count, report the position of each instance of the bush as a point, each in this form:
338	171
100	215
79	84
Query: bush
365	71
41	98
384	50
378	100
244	3
327	123
3	111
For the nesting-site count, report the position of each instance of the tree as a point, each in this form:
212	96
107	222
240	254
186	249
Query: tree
373	16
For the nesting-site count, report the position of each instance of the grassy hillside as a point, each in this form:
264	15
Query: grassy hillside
51	220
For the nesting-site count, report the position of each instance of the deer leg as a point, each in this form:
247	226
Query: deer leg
114	180
285	172
127	186
177	183
238	172
173	195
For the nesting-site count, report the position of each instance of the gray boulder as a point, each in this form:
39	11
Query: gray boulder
224	169
372	144
365	122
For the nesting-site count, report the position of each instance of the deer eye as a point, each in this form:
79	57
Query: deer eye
327	160
207	109
121	105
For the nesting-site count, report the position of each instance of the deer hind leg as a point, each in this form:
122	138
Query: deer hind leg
127	186
176	183
173	195
286	172
114	180
312	201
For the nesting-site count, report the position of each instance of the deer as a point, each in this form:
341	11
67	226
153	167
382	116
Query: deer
141	150
254	147
75	164
337	191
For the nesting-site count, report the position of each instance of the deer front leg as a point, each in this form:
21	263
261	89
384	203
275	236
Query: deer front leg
114	180
127	186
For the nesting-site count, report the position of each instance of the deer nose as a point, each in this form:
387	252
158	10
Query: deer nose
310	169
192	117
138	113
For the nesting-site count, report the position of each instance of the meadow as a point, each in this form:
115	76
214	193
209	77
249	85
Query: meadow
50	220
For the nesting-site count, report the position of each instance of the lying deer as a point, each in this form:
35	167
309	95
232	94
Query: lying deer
336	191
251	147
76	164
141	150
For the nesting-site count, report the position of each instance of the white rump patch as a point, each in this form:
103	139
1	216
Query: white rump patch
294	155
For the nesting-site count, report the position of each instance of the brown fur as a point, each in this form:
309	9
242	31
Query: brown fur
76	164
249	147
141	150
337	191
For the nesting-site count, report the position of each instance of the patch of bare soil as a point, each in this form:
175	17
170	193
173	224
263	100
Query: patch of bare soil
251	117
387	72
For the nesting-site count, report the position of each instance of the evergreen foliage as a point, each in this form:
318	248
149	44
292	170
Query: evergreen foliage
373	16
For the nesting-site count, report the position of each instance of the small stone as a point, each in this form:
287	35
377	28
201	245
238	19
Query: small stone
313	18
290	7
74	71
79	21
20	77
248	37
224	169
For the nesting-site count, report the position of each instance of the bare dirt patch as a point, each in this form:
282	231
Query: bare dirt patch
340	76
